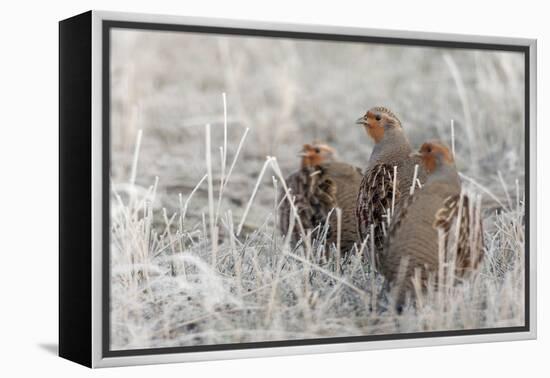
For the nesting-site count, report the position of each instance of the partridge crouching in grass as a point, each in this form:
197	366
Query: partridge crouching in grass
438	213
321	185
390	159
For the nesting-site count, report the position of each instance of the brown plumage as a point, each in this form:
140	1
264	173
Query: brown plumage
321	185
414	236
375	198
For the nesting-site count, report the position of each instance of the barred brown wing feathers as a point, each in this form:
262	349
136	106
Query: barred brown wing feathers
314	197
374	201
469	245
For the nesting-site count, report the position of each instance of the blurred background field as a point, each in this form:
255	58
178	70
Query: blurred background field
287	93
290	92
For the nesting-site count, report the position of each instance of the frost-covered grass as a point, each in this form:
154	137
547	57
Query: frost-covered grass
177	282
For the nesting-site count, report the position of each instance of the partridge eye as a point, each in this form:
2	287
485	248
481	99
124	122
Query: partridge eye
317	150
378	117
428	149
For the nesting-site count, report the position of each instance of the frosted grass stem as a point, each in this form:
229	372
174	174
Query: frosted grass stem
258	181
372	252
393	193
213	237
278	172
226	180
463	96
338	239
236	255
415	179
223	158
224	130
133	172
373	268
186	204
483	188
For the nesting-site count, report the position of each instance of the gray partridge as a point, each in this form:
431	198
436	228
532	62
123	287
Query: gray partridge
439	207
390	157
320	185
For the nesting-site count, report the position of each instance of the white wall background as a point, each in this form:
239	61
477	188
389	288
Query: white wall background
28	158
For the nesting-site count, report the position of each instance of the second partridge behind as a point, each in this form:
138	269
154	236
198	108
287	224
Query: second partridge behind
320	185
439	207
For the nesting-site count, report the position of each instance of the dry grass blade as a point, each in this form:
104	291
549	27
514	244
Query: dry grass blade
212	221
247	208
133	172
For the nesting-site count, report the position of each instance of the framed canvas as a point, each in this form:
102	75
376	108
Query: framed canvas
236	189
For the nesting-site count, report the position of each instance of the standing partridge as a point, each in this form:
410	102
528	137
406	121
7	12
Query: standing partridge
390	158
437	213
321	185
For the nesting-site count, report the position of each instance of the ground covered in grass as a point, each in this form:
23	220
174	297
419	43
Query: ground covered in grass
176	282
196	257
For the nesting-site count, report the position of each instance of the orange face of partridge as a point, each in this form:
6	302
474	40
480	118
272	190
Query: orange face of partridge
314	155
374	121
430	152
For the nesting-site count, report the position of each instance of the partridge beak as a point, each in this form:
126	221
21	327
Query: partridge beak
360	121
302	154
415	154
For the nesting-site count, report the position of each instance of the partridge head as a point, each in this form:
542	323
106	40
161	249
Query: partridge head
378	121
434	155
316	154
